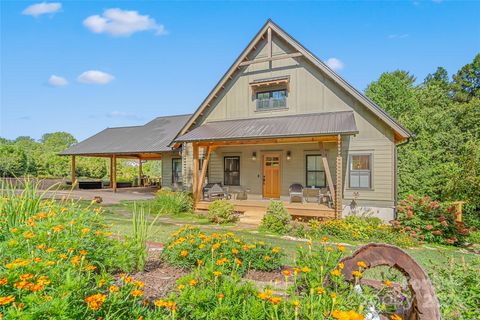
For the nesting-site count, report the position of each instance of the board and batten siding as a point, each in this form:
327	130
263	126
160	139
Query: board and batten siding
310	91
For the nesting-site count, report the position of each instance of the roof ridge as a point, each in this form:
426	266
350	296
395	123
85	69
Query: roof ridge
283	116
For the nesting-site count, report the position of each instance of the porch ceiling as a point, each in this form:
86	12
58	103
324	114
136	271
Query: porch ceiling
306	125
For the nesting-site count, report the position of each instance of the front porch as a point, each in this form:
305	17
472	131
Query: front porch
257	208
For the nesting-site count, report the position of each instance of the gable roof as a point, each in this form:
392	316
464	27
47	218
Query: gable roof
318	124
153	137
401	133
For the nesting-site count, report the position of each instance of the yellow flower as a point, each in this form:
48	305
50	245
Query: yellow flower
320	290
388	283
181	287
6	300
199	262
276	249
63	256
341	248
296	303
50	263
139	283
22	285
28	235
26	276
95	301
347	315
263	295
14	230
333	295
113	288
217	274
336	273
85	230
58	228
75	260
184	253
306	269
220	296
329	249
324	239
3	281
286	273
267	258
90	267
235	251
83	252
361	264
136	293
356	274
395	317
341	265
36	287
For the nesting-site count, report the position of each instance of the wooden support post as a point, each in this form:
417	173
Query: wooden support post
206	158
328	173
114	175
339	191
111	172
74	175
140	174
269	42
195	172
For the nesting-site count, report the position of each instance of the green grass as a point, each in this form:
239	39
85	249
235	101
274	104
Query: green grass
120	215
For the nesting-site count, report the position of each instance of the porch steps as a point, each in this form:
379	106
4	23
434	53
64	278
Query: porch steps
252	217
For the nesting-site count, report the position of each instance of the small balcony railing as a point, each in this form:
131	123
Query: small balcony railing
271	103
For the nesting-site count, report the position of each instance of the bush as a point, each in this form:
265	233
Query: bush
430	221
170	202
189	247
360	228
221	211
276	219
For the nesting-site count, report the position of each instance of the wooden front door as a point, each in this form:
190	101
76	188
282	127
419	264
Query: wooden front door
271	176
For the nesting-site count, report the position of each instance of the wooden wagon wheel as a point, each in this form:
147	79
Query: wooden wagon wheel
425	304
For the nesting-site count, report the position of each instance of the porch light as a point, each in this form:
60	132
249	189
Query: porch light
289	155
254	156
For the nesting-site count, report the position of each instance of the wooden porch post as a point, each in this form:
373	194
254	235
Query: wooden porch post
207	153
74	176
140	174
339	191
114	175
111	172
327	171
195	173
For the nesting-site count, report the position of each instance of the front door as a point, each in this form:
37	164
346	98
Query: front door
271	176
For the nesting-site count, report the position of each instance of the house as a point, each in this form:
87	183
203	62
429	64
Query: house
280	116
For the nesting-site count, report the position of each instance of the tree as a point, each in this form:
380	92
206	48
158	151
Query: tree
13	161
438	78
394	92
466	82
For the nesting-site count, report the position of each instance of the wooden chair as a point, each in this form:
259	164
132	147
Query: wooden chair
296	191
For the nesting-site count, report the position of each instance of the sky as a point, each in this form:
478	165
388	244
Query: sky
82	66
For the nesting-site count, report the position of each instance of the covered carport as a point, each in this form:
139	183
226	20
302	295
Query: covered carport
140	143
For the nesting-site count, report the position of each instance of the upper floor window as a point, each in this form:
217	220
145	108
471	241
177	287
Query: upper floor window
360	175
269	100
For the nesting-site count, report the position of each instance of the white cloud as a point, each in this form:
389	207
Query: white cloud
42	8
118	22
398	36
95	77
335	64
57	81
122	114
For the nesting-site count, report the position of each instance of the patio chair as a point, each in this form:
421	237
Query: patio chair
217	192
207	187
296	191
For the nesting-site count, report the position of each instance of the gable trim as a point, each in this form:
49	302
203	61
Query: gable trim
401	133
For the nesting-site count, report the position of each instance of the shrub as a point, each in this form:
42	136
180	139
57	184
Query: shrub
221	211
170	202
430	221
360	228
276	219
189	247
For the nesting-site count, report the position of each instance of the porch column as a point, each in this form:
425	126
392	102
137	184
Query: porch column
207	151
74	176
140	174
339	191
328	173
114	173
111	172
195	172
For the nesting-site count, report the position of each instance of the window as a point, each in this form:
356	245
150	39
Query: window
268	100
360	171
315	171
231	171
176	171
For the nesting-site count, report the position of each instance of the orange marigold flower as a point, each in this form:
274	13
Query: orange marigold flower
41	246
217	274
6	300
199	262
83	252
3	281
193	282
341	248
320	290
388	283
306	269
286	273
235	251
395	317
181	287
267	258
341	265
58	228
85	230
43	280
63	256
276	249
26	276
275	300
184	253
329	249
139	283
28	235
220	296
22	285
238	262
50	263
75	260
95	301
346	315
14	230
137	293
36	287
361	264
263	295
333	295
90	267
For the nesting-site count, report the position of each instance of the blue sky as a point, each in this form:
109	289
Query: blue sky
169	56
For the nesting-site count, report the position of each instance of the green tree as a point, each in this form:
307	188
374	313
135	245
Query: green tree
13	161
466	82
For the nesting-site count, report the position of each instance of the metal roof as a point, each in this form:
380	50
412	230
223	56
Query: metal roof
316	124
155	136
